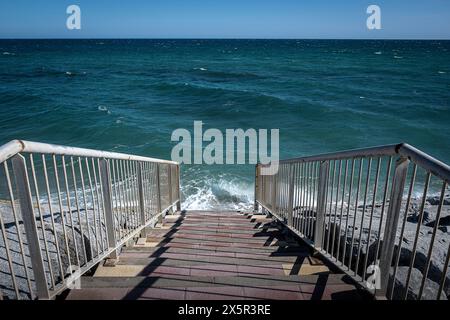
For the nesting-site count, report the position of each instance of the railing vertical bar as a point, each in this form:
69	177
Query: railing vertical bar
158	188
29	222
302	198
6	241
126	197
321	199
99	205
336	208
363	214
133	178
123	206
77	202
178	188
325	203
342	211
308	198
69	210
130	193
141	196
328	227
312	192
355	214
44	235
350	191
433	237
103	201
105	180
444	274
374	196
88	224
91	189
291	195
383	206
405	215
390	232
117	204
315	194
416	239
297	197
61	212
52	216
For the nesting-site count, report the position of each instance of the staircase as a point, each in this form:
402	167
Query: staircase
202	255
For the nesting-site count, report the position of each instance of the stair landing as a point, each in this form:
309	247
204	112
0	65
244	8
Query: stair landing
201	255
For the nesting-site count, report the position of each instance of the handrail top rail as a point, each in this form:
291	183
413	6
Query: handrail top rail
14	147
419	157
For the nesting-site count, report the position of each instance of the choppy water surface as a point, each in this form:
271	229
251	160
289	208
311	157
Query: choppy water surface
129	95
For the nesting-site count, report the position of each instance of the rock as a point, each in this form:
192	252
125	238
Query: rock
429	291
443	221
416	216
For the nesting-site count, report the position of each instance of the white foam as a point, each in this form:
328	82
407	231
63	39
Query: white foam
218	194
378	52
103	108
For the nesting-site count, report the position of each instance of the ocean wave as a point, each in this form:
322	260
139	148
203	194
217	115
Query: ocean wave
216	75
217	193
41	73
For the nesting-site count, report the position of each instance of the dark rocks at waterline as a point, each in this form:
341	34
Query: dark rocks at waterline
443	221
435	200
415	217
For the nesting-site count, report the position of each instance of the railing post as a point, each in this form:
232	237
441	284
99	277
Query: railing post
29	222
274	193
158	190
291	195
321	198
393	214
169	182
141	199
255	205
178	188
107	201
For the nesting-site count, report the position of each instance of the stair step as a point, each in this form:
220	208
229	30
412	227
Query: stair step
199	281
196	256
274	250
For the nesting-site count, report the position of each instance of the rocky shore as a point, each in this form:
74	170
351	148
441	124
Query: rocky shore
81	244
366	241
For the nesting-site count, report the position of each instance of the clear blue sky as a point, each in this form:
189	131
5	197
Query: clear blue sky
403	19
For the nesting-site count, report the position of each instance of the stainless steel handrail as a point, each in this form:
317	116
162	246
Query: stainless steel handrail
13	147
361	208
65	209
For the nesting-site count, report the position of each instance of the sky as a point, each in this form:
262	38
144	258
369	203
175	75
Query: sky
400	19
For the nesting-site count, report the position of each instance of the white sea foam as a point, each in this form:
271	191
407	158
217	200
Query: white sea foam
217	194
104	109
378	52
441	72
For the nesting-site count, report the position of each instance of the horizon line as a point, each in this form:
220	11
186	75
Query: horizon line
223	38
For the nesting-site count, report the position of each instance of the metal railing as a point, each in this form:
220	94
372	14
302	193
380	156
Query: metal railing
379	214
63	210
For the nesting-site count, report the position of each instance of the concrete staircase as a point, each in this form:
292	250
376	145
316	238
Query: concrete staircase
216	255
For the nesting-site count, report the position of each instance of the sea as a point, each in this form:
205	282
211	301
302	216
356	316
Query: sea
130	95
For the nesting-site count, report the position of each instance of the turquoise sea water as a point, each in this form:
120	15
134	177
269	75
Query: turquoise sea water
129	95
